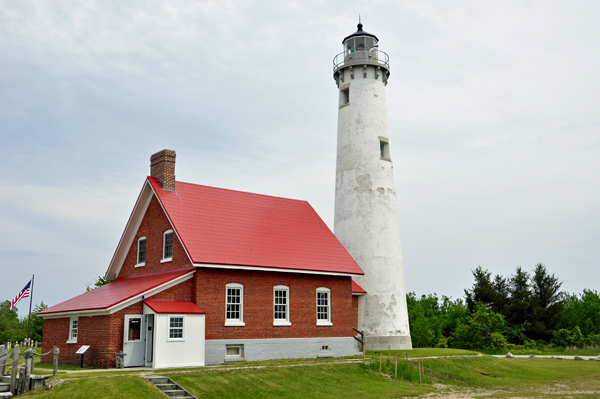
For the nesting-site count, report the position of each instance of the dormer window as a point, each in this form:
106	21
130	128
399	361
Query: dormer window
167	246
141	252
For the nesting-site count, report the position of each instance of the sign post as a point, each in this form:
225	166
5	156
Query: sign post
81	351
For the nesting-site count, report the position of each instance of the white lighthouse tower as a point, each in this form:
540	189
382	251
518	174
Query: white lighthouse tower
366	217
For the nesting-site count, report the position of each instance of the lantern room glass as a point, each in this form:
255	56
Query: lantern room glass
359	43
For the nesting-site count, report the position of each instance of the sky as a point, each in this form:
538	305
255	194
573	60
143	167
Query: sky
493	112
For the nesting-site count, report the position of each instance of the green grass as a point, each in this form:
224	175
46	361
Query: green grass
551	350
488	371
130	387
496	377
424	352
326	381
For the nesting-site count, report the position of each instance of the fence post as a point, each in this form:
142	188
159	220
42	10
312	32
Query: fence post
55	352
380	361
3	359
420	373
13	374
29	359
396	372
430	376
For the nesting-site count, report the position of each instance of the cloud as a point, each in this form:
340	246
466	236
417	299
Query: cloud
492	107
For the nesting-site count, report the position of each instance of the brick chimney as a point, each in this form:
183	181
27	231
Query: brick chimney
162	165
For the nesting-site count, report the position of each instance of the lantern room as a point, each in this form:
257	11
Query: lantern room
361	48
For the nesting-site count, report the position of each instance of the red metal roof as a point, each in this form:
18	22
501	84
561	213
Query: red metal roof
173	307
357	289
227	227
123	288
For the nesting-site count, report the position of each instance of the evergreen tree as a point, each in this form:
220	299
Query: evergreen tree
483	290
520	301
548	304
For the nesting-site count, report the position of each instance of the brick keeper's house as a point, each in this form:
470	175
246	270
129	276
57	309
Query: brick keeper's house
204	275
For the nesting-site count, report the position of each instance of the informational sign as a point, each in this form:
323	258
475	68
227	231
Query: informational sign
82	350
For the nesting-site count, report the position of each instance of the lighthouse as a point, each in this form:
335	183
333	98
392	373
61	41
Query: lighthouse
366	216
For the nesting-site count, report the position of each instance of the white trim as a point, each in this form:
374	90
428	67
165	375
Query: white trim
172	224
235	322
164	246
125	303
358	293
272	269
133	224
182	339
140	264
323	322
72	340
286	320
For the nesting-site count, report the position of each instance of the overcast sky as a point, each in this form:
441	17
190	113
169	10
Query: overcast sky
493	105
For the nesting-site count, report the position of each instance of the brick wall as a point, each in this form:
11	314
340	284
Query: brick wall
104	334
258	304
355	310
153	225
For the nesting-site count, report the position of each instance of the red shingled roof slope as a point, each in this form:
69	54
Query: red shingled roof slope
121	289
173	307
219	226
357	289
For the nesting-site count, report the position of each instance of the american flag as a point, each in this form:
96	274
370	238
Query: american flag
23	294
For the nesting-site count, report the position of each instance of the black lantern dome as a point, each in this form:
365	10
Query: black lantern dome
360	32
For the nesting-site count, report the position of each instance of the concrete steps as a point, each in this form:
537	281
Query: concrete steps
4	386
170	388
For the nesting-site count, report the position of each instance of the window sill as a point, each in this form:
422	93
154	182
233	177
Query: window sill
140	264
385	159
166	260
234	324
278	323
175	340
324	323
344	105
72	341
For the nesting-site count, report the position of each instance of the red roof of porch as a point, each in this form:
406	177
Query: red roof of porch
173	307
120	290
357	289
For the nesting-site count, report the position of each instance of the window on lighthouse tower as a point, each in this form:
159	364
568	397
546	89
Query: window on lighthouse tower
384	148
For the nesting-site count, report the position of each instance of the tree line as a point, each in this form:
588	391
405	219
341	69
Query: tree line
13	328
526	310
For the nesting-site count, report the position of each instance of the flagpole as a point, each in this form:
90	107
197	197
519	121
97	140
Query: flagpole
30	301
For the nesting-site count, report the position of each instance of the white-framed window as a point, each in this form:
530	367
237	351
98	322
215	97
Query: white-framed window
167	246
234	353
281	305
234	305
176	328
141	252
323	306
73	330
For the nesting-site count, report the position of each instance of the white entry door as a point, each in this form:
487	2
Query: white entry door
133	340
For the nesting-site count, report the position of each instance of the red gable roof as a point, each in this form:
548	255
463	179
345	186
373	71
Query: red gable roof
357	289
173	307
109	295
227	227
